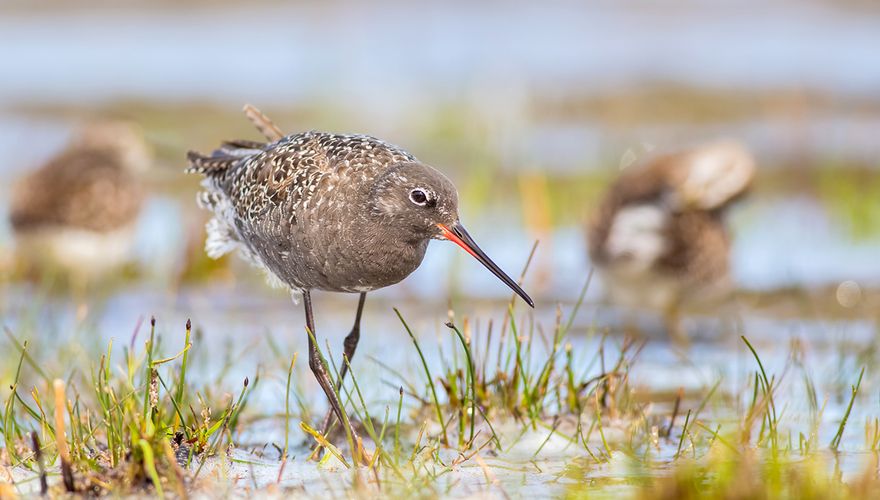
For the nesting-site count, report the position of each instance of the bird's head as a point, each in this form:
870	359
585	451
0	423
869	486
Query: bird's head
416	197
423	204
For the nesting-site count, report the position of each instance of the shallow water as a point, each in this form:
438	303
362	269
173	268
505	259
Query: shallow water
245	319
240	320
788	242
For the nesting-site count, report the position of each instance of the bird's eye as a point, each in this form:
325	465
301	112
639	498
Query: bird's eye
418	197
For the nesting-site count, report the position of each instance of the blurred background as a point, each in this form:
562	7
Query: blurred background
531	110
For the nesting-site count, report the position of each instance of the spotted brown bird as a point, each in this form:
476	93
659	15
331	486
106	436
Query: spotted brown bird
658	238
78	212
334	212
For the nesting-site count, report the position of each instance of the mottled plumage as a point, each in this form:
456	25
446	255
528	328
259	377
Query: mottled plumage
79	210
80	188
301	207
658	237
335	212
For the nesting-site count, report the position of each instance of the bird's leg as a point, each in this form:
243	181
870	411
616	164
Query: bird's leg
351	340
349	346
674	327
320	371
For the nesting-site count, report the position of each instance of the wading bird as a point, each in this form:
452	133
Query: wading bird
333	212
78	212
658	238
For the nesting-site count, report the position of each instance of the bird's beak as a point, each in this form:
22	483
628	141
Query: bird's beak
456	234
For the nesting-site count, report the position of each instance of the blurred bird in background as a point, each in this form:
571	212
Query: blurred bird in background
74	218
658	238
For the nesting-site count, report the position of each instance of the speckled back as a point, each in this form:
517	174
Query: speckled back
299	208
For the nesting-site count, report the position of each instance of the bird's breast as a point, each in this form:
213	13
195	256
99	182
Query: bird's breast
372	263
344	251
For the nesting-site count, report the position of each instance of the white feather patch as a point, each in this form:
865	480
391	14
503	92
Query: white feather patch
220	240
637	238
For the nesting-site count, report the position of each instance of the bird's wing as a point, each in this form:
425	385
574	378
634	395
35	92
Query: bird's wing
711	176
295	170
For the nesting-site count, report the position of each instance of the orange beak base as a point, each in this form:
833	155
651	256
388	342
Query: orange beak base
456	234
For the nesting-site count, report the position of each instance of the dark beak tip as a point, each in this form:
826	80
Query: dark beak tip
457	233
525	297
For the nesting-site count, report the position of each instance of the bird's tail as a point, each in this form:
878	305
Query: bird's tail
222	158
209	165
229	152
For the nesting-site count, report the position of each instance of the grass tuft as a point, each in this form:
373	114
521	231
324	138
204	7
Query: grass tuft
117	431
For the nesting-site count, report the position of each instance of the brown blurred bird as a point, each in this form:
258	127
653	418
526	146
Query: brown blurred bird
658	238
77	213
